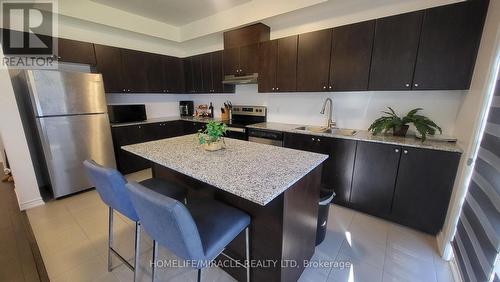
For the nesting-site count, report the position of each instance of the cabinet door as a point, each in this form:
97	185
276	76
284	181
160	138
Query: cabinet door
395	51
73	51
218	74
375	171
174	73
206	65
197	74
268	59
313	60
189	75
109	64
155	73
249	59
423	188
448	46
126	135
351	56
340	168
231	61
134	71
286	75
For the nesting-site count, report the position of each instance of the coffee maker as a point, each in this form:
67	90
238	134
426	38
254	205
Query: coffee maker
186	108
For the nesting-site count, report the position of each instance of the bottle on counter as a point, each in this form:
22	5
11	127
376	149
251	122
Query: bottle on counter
211	108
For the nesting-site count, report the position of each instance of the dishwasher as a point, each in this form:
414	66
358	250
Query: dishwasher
265	137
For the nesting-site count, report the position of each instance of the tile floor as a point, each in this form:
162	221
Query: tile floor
72	236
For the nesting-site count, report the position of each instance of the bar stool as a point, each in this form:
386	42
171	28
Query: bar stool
197	232
110	185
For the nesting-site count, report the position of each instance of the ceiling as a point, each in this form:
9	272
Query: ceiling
173	12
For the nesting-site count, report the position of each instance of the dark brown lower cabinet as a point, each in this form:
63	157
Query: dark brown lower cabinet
126	135
337	169
423	188
375	171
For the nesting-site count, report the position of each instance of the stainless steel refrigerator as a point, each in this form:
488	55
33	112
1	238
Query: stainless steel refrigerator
65	119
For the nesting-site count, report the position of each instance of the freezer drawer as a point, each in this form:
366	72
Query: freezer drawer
69	140
56	93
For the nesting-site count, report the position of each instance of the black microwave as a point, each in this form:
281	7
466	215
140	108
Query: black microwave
126	113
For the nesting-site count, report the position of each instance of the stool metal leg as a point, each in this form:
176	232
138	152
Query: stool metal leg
110	238
199	275
153	263
247	245
137	250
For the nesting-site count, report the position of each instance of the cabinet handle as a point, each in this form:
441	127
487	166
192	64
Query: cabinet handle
124	90
405	152
324	87
273	88
330	87
416	85
319	140
277	89
396	150
407	85
312	139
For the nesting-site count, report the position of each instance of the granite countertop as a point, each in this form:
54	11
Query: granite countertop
253	171
165	119
364	135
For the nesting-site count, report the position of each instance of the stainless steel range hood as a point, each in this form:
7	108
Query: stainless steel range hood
243	79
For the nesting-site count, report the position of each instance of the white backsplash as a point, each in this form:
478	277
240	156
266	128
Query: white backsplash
355	110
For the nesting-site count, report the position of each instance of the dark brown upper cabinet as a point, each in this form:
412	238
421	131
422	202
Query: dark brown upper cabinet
73	51
351	56
193	74
231	61
134	71
241	60
174	75
448	46
268	61
395	51
207	79
278	65
109	64
213	74
155	73
313	60
218	74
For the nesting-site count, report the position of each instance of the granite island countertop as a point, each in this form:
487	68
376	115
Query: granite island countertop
364	135
253	171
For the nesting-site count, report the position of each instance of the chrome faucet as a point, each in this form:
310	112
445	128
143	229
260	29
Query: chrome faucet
330	123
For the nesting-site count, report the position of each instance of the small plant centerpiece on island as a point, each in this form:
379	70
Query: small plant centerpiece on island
212	138
399	125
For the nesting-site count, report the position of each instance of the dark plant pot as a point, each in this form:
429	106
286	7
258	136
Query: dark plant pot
400	131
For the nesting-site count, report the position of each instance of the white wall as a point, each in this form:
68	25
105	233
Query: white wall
352	109
470	119
11	129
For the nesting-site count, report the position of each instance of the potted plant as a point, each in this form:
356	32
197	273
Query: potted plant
212	138
399	126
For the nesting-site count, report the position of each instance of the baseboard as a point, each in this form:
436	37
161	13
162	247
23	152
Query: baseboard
31	204
455	271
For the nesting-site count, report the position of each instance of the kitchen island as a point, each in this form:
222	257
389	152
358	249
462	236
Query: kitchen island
277	187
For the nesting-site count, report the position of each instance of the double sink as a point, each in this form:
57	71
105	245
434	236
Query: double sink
318	129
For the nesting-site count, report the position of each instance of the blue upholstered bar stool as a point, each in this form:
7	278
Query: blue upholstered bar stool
196	232
110	184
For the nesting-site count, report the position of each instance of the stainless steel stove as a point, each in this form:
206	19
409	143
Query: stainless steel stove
243	116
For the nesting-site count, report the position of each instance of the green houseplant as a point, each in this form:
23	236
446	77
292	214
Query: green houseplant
399	125
212	138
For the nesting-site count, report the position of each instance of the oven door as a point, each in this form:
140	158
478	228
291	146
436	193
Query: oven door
236	133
